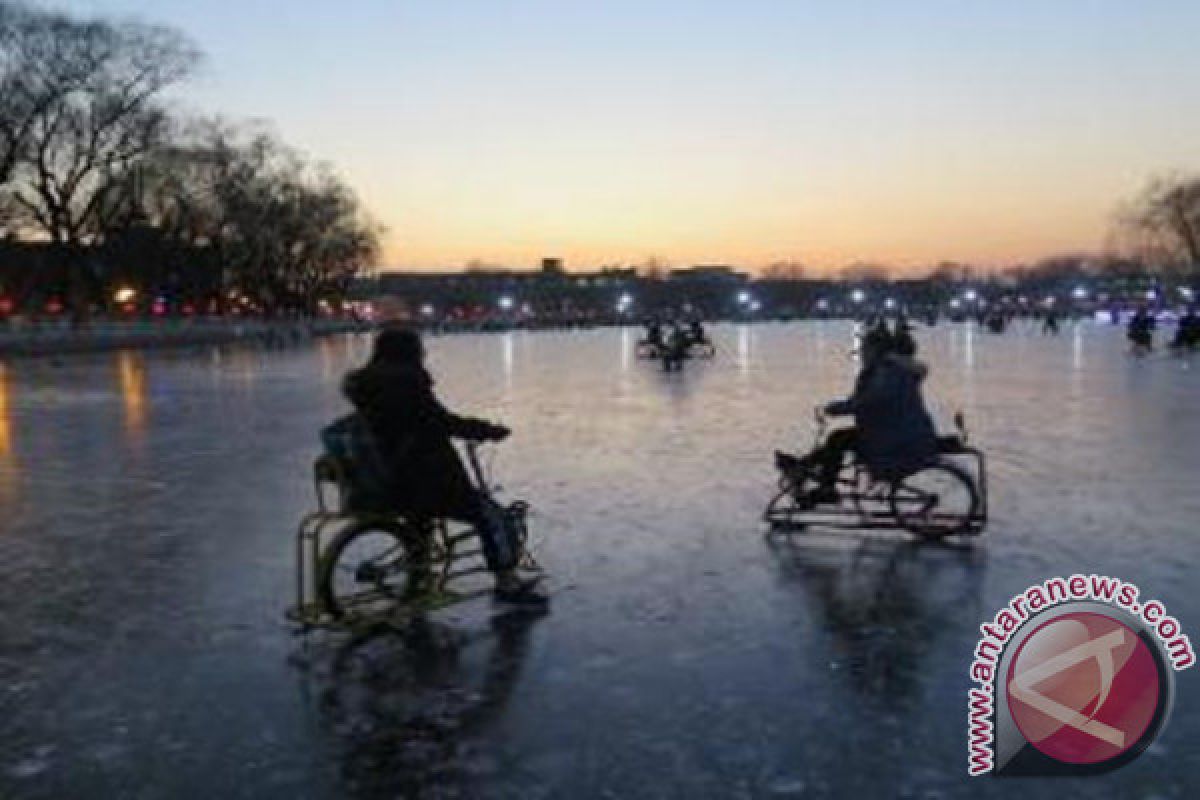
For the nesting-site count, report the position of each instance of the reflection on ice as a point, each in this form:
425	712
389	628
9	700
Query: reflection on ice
401	708
884	601
142	639
5	418
132	374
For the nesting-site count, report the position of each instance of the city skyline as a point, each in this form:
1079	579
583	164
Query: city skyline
709	133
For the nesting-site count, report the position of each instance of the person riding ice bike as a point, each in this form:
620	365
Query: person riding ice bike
424	477
674	350
654	333
698	342
1187	332
893	432
1141	331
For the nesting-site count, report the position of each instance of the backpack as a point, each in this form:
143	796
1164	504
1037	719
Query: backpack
349	440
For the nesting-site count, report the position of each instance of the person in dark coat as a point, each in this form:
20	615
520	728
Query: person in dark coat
675	349
413	430
893	432
1141	330
1187	332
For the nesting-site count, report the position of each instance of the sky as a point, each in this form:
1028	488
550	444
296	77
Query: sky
741	132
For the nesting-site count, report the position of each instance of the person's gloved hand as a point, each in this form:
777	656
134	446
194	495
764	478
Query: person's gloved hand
497	433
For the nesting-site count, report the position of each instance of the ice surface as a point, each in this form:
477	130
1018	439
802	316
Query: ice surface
146	559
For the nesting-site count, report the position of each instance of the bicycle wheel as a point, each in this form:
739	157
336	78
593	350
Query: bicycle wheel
936	501
371	566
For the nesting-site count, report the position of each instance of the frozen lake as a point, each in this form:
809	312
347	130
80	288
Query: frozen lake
146	559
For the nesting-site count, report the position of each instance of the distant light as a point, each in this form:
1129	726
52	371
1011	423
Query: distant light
124	295
971	295
889	303
427	310
755	305
506	303
1186	292
1151	294
526	308
743	297
1080	293
1050	300
954	303
624	302
823	304
858	295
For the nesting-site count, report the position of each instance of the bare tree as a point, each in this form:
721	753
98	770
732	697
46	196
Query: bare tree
654	268
862	272
1165	220
951	272
785	271
1062	267
331	244
286	233
99	116
39	63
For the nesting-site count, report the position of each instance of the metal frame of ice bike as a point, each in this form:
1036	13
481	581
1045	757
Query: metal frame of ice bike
415	569
870	503
704	348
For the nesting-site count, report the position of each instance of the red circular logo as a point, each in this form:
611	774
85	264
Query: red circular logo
1083	688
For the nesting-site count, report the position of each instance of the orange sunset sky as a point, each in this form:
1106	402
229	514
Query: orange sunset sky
716	132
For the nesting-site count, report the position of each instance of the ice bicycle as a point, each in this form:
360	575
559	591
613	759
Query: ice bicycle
945	497
696	348
359	568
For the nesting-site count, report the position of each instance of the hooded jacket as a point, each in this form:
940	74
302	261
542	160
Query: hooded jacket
414	430
896	435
